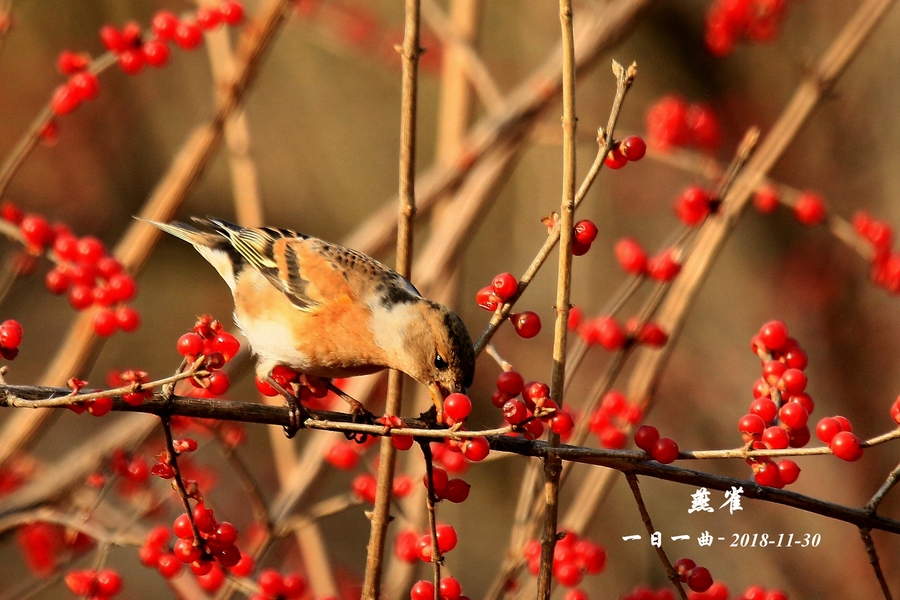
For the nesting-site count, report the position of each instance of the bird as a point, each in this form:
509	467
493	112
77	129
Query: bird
329	311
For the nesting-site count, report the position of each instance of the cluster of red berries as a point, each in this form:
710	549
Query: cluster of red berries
43	545
409	546
312	391
275	586
727	21
450	589
533	410
84	270
156	553
209	339
10	338
133	52
610	421
503	287
606	331
694	204
837	432
755	592
97	585
631	149
132	468
364	486
573	558
454	489
662	267
217	540
163	467
673	123
645	593
780	410
699	579
660	449
885	262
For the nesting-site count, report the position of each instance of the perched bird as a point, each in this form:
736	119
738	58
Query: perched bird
329	311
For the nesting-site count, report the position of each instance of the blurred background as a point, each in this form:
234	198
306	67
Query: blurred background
323	121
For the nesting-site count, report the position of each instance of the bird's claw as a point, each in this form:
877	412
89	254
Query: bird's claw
297	413
358	414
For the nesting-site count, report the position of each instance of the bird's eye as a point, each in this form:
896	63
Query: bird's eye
440	363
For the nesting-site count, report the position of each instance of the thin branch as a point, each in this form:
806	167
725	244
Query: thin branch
409	52
645	517
866	535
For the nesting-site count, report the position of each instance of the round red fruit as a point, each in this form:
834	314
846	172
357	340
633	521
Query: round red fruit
476	449
645	437
527	324
511	383
505	285
457	406
665	450
810	208
699	579
774	335
633	147
827	429
846	446
585	232
232	12
631	256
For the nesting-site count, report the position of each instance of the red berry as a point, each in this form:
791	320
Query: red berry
645	437
631	256
487	299
567	572
665	450
793	415
105	322
232	12
128	319
458	490
775	438
751	427
80	296
615	159
86	85
810	208
446	537
422	590
699	579
100	406
514	411
190	344
164	25
69	63
633	147
36	231
510	382
561	423
155	53
218	383
663	267
793	381
767	474
774	335
208	18
188	35
606	331
527	324
457	406
704	126
827	429
788	471
766	199
295	586
683	566
846	446
505	286
112	39
90	249
476	449
765	408
131	62
168	565
667	123
692	206
450	589
123	287
271	583
585	232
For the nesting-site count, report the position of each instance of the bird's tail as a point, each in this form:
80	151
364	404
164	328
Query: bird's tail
191	234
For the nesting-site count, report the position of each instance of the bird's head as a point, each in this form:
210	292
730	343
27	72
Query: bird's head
439	352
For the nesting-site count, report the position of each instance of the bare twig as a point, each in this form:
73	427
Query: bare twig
866	535
645	517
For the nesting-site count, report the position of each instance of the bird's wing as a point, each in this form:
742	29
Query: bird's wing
266	250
